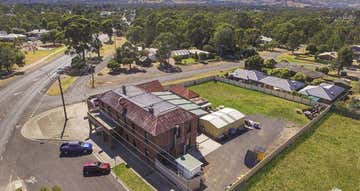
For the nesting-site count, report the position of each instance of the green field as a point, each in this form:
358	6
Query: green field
299	58
188	61
328	156
132	180
250	102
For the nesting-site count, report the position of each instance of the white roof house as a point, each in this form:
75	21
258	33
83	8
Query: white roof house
196	51
180	53
218	123
11	36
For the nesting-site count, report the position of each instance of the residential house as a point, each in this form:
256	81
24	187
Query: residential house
4	36
36	34
248	76
282	84
146	122
180	53
327	56
324	92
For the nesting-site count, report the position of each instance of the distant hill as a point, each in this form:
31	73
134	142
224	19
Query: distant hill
285	3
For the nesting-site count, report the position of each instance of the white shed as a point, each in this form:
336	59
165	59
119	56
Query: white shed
220	122
188	166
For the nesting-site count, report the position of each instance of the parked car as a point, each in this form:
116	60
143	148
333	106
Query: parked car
96	168
76	147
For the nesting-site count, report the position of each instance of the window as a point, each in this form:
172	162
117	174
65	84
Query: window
146	152
134	143
146	137
189	127
178	132
127	137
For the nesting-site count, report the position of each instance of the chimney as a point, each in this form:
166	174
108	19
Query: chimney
151	109
124	90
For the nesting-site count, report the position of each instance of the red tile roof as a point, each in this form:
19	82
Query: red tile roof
143	118
183	91
152	86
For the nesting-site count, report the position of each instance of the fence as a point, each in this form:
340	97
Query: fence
182	183
284	95
237	185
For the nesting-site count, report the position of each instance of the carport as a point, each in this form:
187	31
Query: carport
100	123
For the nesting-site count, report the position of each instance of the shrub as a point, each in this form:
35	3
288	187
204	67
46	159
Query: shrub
113	65
270	63
202	56
299	77
177	58
323	69
317	81
185	45
281	73
254	63
312	49
209	48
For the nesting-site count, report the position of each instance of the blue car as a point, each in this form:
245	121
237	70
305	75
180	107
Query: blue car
77	147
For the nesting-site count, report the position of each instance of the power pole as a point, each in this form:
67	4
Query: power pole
92	76
62	98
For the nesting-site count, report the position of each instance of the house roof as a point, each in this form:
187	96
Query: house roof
148	111
283	84
183	91
152	86
181	102
324	91
196	51
180	52
332	55
248	74
223	117
296	68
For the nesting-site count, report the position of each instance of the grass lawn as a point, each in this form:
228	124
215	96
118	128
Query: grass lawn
250	102
299	58
31	57
132	180
66	82
109	49
188	61
328	156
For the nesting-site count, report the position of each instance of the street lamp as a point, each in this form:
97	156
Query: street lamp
92	68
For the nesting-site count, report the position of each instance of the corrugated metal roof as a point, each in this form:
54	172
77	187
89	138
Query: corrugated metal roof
248	74
284	84
152	86
223	117
183	91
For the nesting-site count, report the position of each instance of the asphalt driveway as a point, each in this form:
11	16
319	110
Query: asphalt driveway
226	163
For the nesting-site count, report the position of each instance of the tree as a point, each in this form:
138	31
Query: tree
135	34
10	55
254	63
299	77
165	42
345	58
96	45
126	54
199	30
79	34
270	63
224	40
281	73
294	40
107	28
323	69
120	27
312	49
113	65
209	48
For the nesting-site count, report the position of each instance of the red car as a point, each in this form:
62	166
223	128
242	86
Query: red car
96	168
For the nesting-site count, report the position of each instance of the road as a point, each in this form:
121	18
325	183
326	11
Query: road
38	163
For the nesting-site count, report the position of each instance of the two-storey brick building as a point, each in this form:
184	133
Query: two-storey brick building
146	122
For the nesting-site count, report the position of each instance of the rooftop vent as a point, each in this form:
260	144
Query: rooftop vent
151	109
